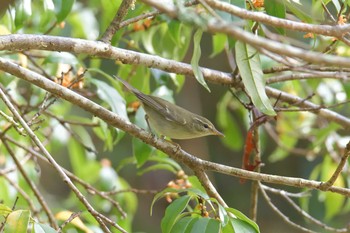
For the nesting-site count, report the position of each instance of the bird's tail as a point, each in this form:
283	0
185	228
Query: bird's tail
128	86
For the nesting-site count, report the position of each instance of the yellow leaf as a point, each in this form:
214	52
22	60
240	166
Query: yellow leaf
64	215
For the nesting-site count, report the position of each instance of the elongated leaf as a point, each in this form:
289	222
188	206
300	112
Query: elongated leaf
241	226
276	8
111	96
4	210
248	62
62	9
162	194
219	41
300	9
184	225
23	12
243	221
196	225
195	58
206	225
156	167
233	136
17	221
172	213
42	228
142	151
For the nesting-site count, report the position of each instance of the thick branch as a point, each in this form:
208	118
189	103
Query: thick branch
327	30
100	49
17	42
167	147
57	167
260	43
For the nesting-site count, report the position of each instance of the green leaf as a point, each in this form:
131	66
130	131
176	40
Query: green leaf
333	202
4	210
141	150
162	194
23	11
243	222
174	28
17	221
336	4
5	195
184	225
179	81
156	167
174	38
317	11
206	225
196	225
111	96
300	9
276	8
62	9
248	62
172	213
140	78
196	185
242	226
164	159
140	120
228	228
239	3
219	42
195	59
104	132
233	137
42	228
282	152
80	157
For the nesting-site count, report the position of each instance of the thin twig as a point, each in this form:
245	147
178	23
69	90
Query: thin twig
208	186
287	196
254	194
32	185
283	192
23	193
115	24
87	186
284	217
325	186
57	167
168	148
71	218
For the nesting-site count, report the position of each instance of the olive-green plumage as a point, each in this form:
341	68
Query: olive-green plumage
171	120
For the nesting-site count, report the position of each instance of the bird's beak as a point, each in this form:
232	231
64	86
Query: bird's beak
218	133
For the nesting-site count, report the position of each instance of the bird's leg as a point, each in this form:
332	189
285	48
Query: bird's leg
149	126
177	146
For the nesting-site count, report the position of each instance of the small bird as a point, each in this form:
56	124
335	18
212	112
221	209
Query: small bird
171	120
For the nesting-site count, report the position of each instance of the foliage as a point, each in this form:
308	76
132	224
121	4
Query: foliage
291	103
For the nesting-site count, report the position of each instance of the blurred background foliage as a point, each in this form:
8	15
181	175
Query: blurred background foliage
298	144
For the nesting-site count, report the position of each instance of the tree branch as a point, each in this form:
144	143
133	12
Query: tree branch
260	43
57	167
115	24
78	46
167	147
326	30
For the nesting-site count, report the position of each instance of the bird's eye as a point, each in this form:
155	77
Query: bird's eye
206	126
